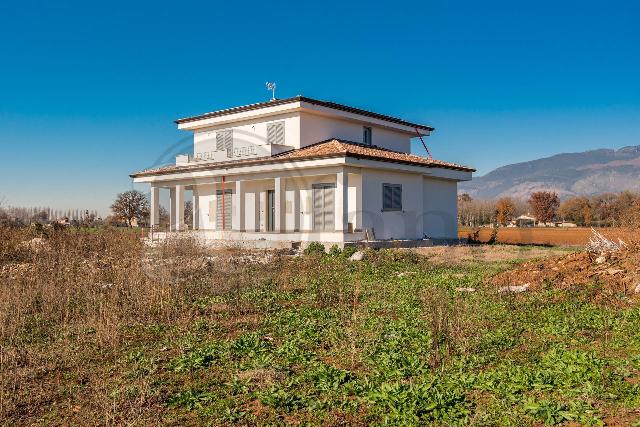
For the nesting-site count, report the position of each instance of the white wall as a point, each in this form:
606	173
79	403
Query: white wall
405	224
249	137
440	219
315	128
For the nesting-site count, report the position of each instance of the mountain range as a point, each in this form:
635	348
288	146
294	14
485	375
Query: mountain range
569	174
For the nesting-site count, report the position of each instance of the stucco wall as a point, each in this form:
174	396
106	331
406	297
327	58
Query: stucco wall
404	224
248	134
440	217
315	128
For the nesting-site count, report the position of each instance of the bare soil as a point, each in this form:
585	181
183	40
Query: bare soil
547	236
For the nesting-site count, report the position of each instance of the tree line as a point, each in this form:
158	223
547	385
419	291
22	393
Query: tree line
602	210
20	216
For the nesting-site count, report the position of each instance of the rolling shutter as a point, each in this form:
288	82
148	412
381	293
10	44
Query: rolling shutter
275	133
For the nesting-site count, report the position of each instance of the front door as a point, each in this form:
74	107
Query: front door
323	210
223	209
271	210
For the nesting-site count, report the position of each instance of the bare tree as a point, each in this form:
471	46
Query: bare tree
131	205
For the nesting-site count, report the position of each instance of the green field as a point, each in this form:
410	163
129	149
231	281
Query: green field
315	339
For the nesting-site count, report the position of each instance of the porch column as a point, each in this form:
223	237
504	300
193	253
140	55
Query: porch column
154	215
195	205
296	209
237	222
172	209
279	205
342	201
262	211
179	209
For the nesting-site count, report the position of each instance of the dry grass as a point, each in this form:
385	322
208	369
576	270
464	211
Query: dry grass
98	329
461	254
83	291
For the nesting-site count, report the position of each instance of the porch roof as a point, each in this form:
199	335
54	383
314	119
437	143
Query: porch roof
325	149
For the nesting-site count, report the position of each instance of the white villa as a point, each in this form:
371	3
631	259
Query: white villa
301	170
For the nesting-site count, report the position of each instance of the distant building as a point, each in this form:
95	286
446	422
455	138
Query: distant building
524	221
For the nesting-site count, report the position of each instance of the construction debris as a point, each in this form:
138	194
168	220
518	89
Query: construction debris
514	288
610	274
357	256
599	244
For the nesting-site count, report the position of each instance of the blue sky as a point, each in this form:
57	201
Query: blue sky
89	91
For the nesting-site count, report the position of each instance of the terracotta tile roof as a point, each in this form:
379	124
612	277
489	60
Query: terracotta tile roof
324	149
354	149
300	98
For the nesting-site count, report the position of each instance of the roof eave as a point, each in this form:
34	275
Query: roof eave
326	104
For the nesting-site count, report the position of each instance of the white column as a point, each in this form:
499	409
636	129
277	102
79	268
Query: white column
279	205
172	209
154	215
262	211
342	200
296	209
355	183
179	201
238	208
195	204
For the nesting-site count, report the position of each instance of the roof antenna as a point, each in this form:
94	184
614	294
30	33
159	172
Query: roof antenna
272	88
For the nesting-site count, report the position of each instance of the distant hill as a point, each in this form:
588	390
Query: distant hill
586	174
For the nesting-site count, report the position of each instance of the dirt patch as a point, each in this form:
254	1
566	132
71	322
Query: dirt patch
578	236
460	254
614	272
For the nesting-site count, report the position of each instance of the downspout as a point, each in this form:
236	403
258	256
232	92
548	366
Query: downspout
223	180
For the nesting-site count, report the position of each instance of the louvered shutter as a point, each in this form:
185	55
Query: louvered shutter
387	197
392	197
224	141
223	213
228	143
318	218
220	140
275	133
329	217
397	197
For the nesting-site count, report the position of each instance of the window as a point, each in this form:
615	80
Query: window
391	197
224	141
366	135
275	133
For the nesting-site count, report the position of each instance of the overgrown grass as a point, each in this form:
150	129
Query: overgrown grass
96	329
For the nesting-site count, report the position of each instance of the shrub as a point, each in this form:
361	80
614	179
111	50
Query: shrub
348	251
335	250
314	248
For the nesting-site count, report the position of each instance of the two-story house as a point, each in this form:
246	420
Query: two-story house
300	170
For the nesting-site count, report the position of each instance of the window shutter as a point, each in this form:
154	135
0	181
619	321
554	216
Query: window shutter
275	133
397	197
220	140
387	197
228	143
392	197
224	141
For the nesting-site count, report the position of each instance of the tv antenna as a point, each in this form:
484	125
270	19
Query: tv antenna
272	88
